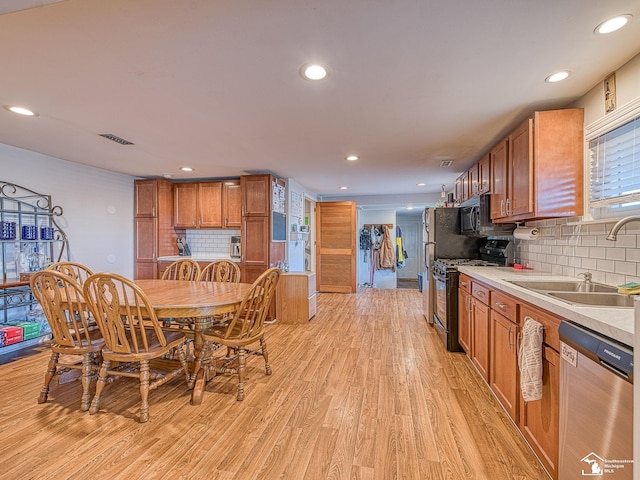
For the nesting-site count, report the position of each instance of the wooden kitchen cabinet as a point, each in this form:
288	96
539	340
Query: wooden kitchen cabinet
153	234
231	204
474	181
464	313
499	168
296	297
462	188
256	195
503	361
539	420
259	251
484	174
544	174
480	325
198	205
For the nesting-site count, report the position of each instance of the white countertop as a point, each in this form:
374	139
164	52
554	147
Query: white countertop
617	323
199	257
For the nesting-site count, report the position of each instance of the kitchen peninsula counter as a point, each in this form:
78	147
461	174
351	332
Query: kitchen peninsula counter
613	322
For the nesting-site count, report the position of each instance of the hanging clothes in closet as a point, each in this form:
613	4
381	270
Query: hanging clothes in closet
386	257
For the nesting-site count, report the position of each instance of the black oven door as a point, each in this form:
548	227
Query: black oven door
445	312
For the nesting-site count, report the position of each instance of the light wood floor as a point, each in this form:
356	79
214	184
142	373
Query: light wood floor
364	391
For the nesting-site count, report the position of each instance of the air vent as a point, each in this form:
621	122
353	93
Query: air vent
116	139
446	163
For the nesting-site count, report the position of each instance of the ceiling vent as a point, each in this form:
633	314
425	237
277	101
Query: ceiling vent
116	139
446	163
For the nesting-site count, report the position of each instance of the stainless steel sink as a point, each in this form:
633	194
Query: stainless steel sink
565	286
595	299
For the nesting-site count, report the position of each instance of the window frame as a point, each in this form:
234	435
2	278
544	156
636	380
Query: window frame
600	127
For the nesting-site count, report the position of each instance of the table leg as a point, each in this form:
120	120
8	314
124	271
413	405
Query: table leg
198	379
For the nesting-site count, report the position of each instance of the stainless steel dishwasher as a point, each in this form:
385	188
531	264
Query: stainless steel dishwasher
596	406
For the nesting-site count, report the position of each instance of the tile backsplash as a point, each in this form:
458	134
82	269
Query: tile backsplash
566	247
210	241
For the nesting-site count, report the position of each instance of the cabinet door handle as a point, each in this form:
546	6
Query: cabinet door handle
510	340
501	208
501	306
153	211
508	207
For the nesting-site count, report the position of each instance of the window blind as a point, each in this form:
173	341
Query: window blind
615	166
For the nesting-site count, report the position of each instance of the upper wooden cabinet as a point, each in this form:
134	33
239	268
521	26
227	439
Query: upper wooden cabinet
462	188
499	155
474	181
231	204
256	195
197	205
544	168
484	174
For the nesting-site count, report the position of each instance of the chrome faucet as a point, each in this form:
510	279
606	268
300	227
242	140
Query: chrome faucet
587	276
613	234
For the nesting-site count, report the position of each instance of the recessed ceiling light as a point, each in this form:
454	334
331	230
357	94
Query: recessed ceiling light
21	110
186	169
557	77
446	163
352	158
613	24
420	184
314	71
343	188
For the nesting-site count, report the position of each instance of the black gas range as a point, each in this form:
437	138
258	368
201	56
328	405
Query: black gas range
495	253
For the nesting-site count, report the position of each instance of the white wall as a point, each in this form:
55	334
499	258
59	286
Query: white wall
97	205
381	278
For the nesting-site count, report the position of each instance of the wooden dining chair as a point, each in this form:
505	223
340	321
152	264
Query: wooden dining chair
63	305
77	271
244	329
132	335
183	269
220	271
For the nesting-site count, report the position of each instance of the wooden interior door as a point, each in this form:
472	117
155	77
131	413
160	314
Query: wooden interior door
336	247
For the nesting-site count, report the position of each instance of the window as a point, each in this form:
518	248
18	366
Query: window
614	162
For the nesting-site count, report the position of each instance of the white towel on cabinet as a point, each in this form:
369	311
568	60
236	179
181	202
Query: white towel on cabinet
530	360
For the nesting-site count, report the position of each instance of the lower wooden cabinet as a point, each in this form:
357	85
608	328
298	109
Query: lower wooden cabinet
495	327
480	337
296	297
464	320
503	374
539	420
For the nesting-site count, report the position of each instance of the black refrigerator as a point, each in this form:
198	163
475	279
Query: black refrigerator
441	238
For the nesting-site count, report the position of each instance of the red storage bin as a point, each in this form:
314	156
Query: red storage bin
12	335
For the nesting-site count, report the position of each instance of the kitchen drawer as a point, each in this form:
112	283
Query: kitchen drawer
505	305
549	321
464	283
480	292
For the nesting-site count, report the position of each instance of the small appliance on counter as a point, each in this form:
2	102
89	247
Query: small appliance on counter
498	251
234	250
183	247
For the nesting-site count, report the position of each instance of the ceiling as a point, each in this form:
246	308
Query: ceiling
215	85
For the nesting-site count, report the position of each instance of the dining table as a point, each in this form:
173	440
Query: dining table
195	302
